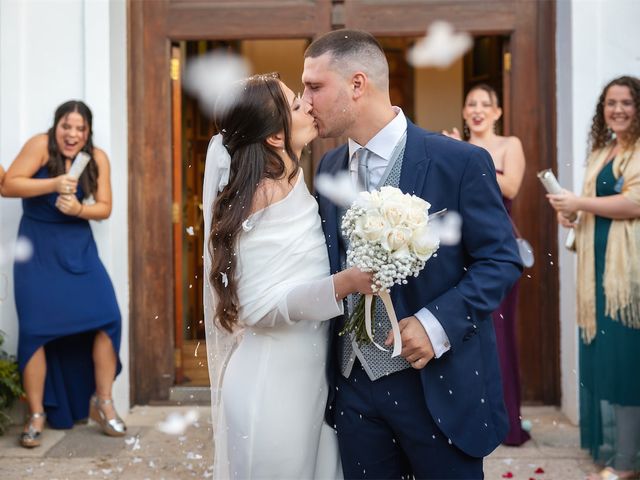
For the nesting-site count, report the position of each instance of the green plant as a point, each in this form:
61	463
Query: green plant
10	386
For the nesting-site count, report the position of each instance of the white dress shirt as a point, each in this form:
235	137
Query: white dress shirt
381	147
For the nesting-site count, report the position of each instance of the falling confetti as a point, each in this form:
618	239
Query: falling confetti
23	250
449	228
190	231
440	47
225	279
213	79
339	188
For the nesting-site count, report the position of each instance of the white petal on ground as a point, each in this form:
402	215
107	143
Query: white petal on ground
338	188
176	423
440	47
213	78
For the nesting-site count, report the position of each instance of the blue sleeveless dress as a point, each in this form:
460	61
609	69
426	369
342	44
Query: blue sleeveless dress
63	297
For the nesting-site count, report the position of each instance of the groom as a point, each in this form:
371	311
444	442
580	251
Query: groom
437	410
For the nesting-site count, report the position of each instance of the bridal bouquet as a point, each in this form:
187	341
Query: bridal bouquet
390	235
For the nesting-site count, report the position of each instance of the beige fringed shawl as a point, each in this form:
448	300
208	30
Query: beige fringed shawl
622	258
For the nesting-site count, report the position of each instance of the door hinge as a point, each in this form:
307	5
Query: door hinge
175	213
174	69
507	62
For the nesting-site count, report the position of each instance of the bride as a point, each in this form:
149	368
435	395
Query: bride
268	292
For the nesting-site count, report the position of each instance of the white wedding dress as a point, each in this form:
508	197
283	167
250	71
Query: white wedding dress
269	386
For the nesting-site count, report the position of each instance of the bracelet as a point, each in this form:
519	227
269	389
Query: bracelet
80	211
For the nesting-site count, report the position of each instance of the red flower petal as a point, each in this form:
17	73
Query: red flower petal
539	470
507	475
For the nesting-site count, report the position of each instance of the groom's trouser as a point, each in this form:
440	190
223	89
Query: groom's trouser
386	432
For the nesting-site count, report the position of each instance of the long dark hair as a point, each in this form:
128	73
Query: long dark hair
600	134
56	164
260	111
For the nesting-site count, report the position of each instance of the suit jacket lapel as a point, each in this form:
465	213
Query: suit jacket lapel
415	161
330	210
415	164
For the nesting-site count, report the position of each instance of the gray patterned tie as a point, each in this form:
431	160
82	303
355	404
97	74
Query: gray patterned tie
362	154
376	363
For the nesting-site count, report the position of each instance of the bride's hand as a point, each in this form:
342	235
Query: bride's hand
352	280
361	281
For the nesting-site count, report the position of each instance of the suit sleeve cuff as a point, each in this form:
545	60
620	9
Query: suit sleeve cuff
436	333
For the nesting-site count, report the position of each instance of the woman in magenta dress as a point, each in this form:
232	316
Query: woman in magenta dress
69	321
481	112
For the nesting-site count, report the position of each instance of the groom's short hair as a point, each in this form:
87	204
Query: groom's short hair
351	51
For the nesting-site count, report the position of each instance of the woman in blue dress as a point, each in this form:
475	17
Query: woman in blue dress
69	321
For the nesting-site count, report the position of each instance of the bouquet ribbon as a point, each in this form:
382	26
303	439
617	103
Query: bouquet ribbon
388	305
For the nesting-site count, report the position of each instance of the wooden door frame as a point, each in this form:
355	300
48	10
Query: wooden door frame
531	30
152	26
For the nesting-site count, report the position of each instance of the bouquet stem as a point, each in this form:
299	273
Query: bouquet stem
356	323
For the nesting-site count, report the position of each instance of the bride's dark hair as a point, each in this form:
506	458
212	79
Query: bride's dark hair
261	110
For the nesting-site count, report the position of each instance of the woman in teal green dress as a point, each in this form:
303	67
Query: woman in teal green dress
606	218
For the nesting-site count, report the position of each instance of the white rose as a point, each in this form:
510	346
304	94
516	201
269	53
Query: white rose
396	238
392	194
424	243
369	200
370	226
394	211
417	217
402	252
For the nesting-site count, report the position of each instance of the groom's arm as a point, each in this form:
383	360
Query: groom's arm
487	239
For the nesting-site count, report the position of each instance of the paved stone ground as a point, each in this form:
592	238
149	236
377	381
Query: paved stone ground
146	453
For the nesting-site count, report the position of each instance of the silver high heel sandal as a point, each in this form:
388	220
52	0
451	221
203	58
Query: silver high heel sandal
32	437
114	427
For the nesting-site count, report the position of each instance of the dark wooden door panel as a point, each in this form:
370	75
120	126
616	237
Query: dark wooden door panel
527	27
191	20
412	17
153	25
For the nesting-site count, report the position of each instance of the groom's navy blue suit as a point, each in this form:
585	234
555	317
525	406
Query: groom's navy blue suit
461	286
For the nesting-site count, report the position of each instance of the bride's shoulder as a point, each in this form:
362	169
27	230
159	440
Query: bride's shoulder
269	191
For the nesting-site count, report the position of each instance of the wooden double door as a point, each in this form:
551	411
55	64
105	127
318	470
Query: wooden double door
158	221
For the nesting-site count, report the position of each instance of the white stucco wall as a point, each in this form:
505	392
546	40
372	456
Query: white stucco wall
596	41
52	51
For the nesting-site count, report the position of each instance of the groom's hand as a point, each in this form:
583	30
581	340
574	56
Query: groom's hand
416	345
